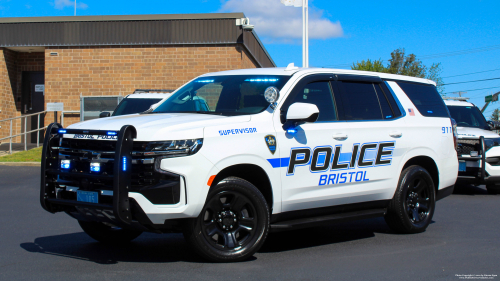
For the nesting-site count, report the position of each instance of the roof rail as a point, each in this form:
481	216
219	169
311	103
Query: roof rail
456	98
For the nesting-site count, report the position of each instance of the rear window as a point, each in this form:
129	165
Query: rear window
426	98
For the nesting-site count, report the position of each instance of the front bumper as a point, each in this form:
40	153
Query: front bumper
479	169
128	183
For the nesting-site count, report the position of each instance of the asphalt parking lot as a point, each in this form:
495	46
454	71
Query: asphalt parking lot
463	239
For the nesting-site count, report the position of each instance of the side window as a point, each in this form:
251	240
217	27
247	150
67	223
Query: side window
391	99
384	104
359	101
320	94
426	98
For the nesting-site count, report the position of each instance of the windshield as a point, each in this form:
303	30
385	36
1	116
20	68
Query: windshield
468	116
131	106
224	95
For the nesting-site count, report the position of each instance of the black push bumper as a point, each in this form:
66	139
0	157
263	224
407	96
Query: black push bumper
121	206
474	175
477	175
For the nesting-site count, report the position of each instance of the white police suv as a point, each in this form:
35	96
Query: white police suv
478	146
233	155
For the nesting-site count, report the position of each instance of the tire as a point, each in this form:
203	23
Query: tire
107	234
412	207
493	189
232	225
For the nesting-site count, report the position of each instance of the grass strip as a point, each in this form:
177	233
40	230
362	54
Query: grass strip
32	155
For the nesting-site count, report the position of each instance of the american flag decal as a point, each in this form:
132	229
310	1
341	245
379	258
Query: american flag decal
411	111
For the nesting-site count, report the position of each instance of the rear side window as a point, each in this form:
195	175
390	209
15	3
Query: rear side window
426	98
359	101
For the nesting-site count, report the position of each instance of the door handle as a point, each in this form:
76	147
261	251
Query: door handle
340	137
396	134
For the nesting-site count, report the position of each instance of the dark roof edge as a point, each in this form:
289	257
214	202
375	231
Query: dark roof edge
125	18
264	48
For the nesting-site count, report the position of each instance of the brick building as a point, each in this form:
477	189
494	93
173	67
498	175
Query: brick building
110	56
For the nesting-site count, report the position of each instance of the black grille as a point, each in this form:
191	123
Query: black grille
466	146
82	152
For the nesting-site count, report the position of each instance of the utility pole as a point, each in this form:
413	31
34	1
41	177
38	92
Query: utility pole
75	8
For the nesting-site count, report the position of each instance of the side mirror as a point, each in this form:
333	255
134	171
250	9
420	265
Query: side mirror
302	112
104	114
494	125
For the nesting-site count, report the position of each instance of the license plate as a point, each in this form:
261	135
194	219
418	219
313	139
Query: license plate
462	166
87	196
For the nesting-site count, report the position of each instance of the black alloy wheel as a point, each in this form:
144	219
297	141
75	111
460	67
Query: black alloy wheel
229	220
412	206
493	189
232	225
417	200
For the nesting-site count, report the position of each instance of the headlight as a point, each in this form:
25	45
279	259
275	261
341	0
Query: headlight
489	143
174	147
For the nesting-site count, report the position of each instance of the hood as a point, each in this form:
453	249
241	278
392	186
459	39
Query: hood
467	132
164	126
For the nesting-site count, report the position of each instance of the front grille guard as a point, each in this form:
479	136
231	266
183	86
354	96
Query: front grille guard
121	175
481	176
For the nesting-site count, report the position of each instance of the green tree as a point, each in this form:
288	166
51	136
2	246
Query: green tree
403	64
369	65
495	116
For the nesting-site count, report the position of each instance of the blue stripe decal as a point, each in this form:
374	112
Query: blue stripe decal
345	157
279	162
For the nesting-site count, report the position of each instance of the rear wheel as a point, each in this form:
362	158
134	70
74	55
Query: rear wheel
412	207
232	225
108	234
493	189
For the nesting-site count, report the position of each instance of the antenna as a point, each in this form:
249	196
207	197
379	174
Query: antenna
291	67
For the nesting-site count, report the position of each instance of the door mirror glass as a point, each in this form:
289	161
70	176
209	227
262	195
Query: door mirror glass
104	114
299	111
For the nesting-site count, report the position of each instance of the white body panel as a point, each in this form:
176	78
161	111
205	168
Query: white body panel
229	141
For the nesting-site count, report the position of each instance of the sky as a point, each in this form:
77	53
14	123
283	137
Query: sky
464	36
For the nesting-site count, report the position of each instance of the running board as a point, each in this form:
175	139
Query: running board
314	221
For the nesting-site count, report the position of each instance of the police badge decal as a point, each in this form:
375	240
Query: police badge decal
271	143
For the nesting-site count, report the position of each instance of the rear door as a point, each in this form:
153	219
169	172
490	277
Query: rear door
375	139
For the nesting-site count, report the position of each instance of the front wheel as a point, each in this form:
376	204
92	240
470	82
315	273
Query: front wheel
232	225
493	189
412	207
108	234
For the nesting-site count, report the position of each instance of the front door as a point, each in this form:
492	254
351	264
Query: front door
33	101
306	155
